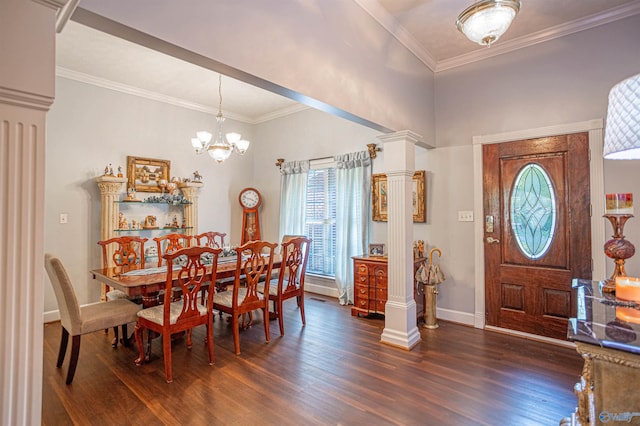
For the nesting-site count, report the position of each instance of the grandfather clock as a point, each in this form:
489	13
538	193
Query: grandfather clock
250	200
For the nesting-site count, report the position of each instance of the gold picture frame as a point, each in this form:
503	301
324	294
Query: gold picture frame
145	174
379	197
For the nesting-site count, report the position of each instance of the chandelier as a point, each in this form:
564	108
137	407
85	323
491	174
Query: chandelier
223	145
485	21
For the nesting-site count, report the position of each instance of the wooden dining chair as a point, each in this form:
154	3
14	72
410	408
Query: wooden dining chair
128	251
290	280
254	260
210	239
77	320
169	243
184	314
215	240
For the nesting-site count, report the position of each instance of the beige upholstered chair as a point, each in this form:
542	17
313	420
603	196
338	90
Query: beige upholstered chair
254	260
290	280
186	313
77	320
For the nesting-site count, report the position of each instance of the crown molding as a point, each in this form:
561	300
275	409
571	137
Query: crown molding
24	99
154	96
393	27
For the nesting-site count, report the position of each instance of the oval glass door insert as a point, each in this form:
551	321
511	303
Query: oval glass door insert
533	211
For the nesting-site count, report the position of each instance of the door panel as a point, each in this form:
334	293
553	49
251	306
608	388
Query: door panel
528	285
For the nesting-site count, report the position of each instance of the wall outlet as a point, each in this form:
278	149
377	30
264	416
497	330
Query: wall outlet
64	218
465	216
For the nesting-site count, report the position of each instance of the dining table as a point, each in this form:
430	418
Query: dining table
147	283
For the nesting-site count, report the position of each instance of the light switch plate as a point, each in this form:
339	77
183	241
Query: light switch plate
465	216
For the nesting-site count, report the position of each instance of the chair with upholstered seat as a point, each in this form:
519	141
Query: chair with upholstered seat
254	260
77	320
192	267
128	251
290	280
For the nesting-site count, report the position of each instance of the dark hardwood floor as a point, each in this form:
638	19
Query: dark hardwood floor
334	371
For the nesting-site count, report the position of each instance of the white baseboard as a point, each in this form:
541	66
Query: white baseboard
320	289
51	316
465	318
531	336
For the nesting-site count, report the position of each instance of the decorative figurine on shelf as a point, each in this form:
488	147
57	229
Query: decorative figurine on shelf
122	221
134	224
111	170
162	183
173	185
106	170
197	177
175	223
150	222
120	171
131	194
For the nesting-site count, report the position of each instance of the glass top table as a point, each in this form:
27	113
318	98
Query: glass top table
599	318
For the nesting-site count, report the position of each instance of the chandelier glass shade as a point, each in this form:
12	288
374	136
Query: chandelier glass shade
622	132
485	21
223	145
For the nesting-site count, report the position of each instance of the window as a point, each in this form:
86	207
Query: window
533	211
320	220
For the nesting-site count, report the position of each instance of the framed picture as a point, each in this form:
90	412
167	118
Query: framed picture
376	249
379	197
148	174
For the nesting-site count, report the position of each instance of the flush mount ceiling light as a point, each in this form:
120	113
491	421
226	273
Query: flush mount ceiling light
223	145
622	132
485	21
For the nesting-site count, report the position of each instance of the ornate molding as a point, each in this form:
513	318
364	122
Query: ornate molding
25	99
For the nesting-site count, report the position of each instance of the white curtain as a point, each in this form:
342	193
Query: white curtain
293	197
353	201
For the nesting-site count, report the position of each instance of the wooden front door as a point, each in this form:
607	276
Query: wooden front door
537	233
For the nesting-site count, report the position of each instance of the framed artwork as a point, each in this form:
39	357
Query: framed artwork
148	174
376	249
379	197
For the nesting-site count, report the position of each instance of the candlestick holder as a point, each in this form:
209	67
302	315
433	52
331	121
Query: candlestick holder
618	249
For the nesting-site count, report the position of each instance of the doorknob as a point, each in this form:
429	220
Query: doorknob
491	240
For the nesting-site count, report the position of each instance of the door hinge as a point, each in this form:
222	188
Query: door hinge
590	210
592	264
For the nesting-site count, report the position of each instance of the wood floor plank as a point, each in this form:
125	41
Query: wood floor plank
333	371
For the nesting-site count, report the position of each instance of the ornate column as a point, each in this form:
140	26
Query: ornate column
400	311
110	189
190	192
26	94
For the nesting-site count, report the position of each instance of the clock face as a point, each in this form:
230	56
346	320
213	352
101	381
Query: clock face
249	198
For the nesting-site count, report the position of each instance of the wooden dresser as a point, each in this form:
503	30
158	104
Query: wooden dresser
370	286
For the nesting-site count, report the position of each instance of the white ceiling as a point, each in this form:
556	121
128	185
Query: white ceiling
426	27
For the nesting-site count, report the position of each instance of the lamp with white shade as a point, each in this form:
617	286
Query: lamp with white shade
223	145
622	131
